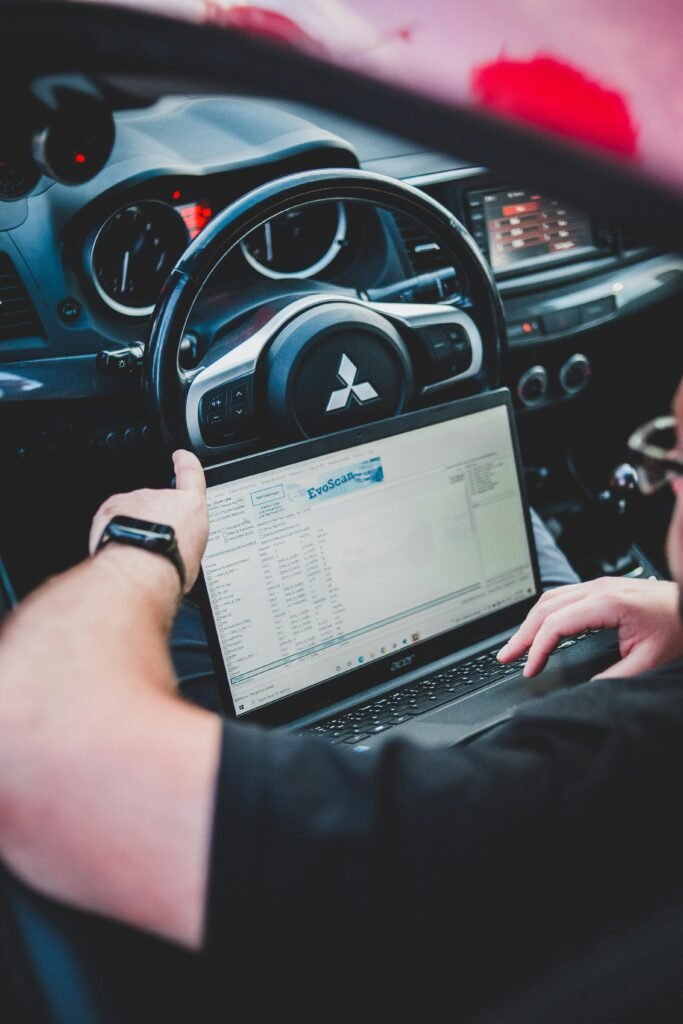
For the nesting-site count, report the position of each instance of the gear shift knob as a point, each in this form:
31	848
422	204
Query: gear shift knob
623	484
624	479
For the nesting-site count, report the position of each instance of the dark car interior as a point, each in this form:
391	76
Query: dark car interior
465	275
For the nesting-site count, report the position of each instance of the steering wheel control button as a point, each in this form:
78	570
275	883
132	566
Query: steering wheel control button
216	400
450	350
575	374
532	386
438	345
225	414
239	414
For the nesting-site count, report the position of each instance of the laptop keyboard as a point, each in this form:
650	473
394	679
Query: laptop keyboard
419	696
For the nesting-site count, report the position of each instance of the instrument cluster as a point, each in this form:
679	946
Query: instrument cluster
129	256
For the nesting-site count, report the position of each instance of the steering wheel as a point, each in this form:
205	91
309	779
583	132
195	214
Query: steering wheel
307	359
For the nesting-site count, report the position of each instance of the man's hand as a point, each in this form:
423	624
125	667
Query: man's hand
183	508
645	613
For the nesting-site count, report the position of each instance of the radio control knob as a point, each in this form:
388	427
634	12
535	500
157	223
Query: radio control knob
532	386
575	373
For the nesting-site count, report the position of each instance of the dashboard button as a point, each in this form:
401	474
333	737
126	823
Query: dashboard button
216	400
562	320
532	386
239	415
575	373
113	440
239	394
217	419
597	309
69	310
523	329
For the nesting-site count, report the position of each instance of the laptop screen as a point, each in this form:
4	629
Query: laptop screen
319	567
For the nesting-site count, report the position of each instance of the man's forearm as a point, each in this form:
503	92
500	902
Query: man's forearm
105	799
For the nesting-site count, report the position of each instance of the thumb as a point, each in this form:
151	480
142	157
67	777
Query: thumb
189	475
636	661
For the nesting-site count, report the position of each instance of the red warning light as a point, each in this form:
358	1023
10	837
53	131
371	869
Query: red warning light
80	158
196	216
176	194
527	327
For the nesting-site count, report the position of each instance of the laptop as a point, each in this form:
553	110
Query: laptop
357	586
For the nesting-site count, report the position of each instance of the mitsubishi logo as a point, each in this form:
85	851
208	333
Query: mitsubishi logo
363	392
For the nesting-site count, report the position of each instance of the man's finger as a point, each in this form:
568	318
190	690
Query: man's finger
97	526
566	622
520	641
189	475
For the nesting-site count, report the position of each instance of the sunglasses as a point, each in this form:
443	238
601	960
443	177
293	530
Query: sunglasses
659	457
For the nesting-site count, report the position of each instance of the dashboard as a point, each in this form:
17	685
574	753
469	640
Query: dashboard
82	266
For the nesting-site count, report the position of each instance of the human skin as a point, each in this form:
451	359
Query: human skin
645	613
106	776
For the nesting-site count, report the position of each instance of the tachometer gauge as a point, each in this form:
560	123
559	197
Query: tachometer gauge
133	254
299	243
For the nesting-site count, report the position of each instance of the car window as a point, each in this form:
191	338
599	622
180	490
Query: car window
605	75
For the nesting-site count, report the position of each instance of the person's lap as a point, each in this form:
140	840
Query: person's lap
190	649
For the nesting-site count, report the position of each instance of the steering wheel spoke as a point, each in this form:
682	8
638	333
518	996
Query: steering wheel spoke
447	346
220	409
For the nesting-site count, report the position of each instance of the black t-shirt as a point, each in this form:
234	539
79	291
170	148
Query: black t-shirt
407	876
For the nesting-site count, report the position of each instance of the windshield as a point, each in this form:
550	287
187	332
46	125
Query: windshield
607	75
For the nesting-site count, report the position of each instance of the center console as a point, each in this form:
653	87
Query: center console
570	279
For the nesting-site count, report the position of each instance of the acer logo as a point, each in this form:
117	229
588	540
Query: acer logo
401	663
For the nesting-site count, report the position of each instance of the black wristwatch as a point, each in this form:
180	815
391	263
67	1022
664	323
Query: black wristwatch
139	533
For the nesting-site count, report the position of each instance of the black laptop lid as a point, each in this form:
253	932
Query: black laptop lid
336	564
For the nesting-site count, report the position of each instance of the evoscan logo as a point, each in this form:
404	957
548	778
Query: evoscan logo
401	663
329	485
359	392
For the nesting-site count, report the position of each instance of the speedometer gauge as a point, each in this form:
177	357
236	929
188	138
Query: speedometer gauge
299	243
133	253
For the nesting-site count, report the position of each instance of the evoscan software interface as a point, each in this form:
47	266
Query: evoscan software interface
317	568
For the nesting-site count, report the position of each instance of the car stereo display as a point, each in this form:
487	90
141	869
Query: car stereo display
520	226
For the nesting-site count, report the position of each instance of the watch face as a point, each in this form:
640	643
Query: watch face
145	531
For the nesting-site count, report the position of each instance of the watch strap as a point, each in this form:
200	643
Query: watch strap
142	534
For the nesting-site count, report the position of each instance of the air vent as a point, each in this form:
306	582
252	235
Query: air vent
16	178
18	318
424	253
